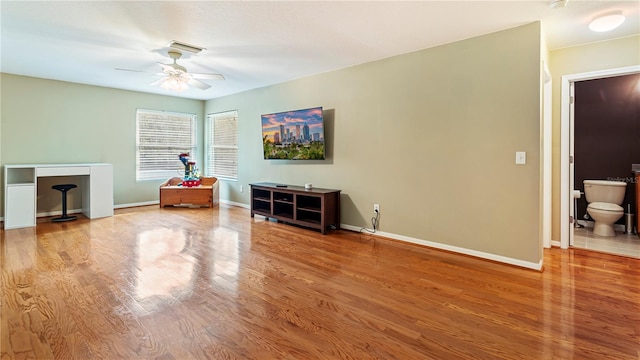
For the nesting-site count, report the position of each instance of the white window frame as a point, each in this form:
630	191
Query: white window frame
168	163
227	145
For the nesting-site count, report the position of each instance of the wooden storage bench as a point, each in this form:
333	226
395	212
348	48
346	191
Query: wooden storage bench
205	194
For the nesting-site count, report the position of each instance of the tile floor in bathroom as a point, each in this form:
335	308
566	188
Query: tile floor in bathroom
621	244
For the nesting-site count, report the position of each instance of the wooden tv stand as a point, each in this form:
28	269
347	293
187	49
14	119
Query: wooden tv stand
315	208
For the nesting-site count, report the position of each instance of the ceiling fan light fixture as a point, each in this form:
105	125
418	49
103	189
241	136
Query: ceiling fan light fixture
607	21
185	47
174	83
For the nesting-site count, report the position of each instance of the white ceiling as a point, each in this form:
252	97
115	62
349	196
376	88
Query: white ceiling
255	44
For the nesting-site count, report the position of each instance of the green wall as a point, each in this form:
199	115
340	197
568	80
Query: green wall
575	60
431	136
46	121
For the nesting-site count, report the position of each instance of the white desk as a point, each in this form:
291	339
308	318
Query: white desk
21	184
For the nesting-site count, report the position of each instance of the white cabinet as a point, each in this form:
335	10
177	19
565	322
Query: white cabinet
19	197
20	206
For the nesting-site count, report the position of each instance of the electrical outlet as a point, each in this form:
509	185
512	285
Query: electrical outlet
376	207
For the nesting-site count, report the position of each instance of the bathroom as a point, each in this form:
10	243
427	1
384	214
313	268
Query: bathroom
607	143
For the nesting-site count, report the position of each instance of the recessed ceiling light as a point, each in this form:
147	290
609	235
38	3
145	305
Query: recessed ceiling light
607	21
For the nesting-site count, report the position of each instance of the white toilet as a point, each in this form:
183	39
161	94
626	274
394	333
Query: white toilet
604	198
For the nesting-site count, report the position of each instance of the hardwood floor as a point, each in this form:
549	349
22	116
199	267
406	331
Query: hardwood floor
215	283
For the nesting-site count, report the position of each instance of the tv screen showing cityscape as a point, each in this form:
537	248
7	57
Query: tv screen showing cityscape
294	135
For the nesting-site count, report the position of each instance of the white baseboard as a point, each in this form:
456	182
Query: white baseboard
456	249
144	203
57	213
479	254
52	213
233	203
555	243
156	202
79	211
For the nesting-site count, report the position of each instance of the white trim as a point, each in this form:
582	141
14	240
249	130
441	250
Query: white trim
456	249
566	194
144	203
555	243
52	213
564	164
129	205
156	202
547	158
233	203
59	212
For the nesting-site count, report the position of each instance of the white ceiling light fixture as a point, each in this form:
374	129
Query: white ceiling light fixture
174	83
607	21
558	4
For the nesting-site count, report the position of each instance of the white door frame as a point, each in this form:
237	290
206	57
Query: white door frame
566	144
547	149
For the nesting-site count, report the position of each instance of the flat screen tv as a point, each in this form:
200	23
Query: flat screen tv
294	135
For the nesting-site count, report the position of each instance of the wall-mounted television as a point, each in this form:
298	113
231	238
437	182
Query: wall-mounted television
294	135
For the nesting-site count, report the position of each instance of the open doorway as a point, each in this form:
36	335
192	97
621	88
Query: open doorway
572	185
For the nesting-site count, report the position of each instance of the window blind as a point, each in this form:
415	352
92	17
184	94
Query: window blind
222	145
161	137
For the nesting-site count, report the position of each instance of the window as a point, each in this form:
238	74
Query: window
160	137
222	145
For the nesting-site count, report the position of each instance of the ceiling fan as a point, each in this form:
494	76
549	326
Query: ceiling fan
176	78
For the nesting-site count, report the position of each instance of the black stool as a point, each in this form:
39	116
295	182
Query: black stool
64	188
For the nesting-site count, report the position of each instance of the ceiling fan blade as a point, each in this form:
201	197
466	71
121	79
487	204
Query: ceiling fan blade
207	76
199	84
130	70
159	81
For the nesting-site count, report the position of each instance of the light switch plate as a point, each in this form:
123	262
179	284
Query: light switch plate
521	157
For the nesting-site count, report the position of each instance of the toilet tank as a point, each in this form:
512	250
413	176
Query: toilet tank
604	191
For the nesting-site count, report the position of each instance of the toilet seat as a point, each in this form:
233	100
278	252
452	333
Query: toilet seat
605	207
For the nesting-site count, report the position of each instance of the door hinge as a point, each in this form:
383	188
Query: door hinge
570	159
571	220
572	100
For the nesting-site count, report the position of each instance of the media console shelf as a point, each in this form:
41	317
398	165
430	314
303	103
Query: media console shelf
315	208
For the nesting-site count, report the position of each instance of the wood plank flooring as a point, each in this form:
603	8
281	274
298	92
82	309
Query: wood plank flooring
183	283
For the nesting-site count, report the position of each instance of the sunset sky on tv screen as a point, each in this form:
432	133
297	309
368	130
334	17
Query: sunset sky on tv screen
312	117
